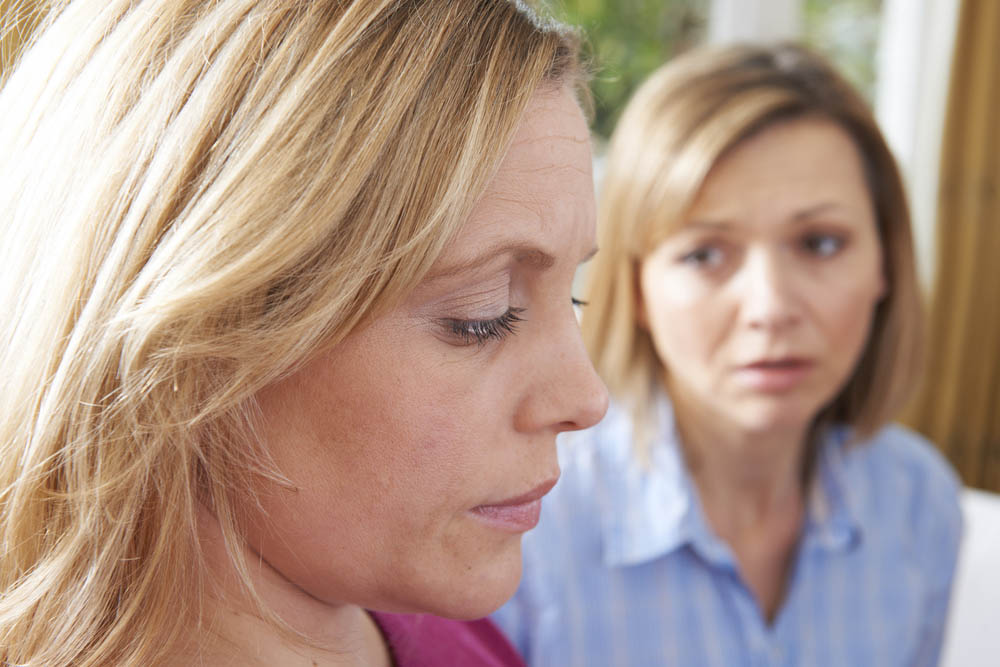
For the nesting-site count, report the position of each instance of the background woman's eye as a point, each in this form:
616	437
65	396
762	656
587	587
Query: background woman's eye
703	257
484	331
578	302
823	245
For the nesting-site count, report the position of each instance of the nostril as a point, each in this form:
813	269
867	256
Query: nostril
593	405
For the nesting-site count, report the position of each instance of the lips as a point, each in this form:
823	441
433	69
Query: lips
775	375
516	514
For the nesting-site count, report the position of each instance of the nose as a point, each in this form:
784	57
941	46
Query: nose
565	394
767	295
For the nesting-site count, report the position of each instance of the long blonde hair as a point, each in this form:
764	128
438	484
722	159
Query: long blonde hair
680	123
196	196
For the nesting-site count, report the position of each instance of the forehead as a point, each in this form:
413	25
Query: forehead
542	192
785	168
549	154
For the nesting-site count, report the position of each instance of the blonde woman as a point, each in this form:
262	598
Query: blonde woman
755	314
288	329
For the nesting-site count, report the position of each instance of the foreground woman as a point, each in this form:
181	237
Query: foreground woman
289	332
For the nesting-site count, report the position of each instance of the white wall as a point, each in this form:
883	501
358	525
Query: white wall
914	65
754	20
971	639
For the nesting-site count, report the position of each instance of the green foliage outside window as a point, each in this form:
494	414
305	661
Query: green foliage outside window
846	31
627	40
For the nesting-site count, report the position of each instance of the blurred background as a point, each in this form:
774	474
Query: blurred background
932	74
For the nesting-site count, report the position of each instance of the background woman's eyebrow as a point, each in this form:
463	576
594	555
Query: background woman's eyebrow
804	215
709	225
812	212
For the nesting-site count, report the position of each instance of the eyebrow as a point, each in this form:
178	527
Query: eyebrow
805	214
800	216
522	253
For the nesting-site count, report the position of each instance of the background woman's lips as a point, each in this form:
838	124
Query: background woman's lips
517	514
775	376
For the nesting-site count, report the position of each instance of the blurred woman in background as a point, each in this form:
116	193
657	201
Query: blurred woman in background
755	313
288	331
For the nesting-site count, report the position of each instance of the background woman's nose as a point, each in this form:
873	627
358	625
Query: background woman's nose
767	291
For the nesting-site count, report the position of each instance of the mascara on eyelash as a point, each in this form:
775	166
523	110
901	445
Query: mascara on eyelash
482	331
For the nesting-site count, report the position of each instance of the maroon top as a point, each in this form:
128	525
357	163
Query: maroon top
421	640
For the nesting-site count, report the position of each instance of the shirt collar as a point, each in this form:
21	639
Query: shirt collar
832	521
648	511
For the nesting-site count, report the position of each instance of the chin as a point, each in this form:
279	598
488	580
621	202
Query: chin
475	590
777	417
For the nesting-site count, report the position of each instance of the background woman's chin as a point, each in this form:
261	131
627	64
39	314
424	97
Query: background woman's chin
775	415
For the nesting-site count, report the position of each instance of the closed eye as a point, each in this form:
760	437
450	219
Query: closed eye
468	332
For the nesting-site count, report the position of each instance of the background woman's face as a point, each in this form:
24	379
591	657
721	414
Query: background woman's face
761	304
405	438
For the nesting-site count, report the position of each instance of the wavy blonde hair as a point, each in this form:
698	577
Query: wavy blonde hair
197	196
680	123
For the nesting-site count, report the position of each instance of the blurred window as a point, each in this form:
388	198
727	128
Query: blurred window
627	40
847	32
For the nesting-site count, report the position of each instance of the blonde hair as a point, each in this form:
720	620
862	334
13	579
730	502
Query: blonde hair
197	196
680	123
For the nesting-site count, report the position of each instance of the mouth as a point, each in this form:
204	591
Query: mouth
775	375
516	514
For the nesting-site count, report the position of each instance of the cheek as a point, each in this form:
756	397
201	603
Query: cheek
415	428
685	323
431	425
364	420
847	316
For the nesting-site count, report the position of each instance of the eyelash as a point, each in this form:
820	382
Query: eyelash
483	331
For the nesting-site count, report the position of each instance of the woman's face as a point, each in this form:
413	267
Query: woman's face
760	305
419	446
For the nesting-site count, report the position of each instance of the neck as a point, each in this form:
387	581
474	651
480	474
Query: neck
233	632
744	478
752	490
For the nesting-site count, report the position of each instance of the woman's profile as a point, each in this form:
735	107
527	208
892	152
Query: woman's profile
289	328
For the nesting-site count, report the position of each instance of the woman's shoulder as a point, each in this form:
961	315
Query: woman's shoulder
895	450
904	478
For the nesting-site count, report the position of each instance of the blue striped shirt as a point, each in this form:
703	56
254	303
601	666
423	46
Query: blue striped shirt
624	570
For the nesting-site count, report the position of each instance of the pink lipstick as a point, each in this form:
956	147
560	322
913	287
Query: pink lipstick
517	514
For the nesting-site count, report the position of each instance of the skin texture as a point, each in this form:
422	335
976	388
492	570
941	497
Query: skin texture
396	435
779	259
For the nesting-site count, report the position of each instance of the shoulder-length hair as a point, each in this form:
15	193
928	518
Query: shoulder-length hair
196	196
680	123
